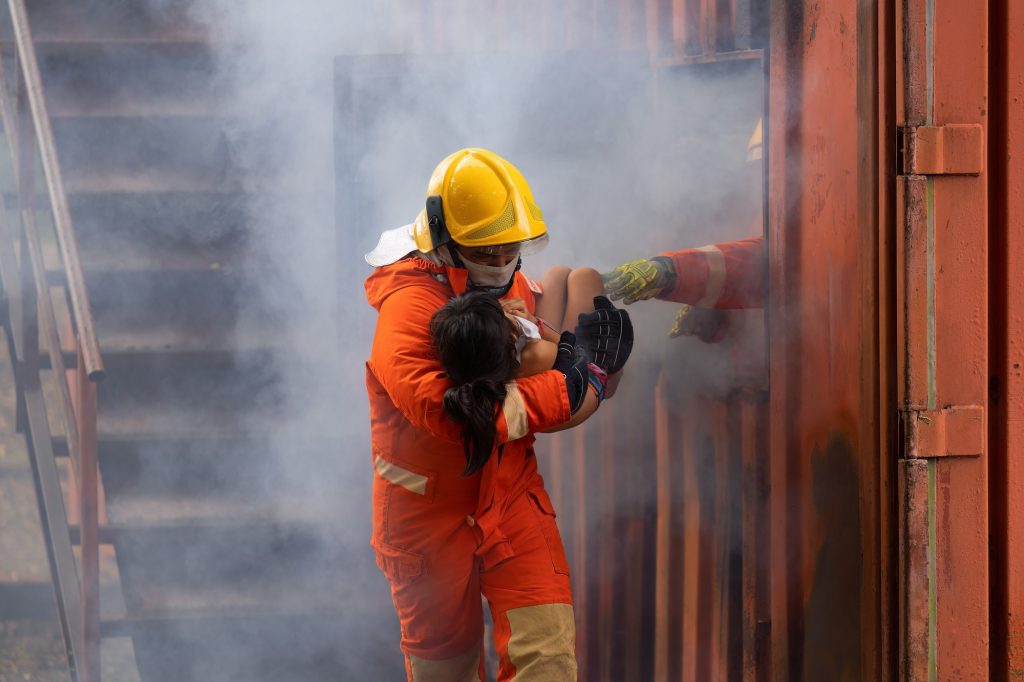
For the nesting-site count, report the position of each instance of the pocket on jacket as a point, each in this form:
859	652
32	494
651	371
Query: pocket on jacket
398	565
545	512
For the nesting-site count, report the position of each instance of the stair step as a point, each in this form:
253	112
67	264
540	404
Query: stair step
183	312
103	76
117	231
169	440
162	395
105	20
273	566
156	180
233	478
210	148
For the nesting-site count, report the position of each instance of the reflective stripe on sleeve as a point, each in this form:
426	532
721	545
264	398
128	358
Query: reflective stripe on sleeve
716	276
514	410
413	482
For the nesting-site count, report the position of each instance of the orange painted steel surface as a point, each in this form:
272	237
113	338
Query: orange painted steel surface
943	285
1006	361
830	472
837	525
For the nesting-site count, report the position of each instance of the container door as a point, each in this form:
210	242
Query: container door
942	312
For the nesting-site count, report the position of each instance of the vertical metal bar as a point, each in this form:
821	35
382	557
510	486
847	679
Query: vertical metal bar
652	26
1006	340
663	574
914	612
725	26
25	173
693	519
709	26
89	520
581	557
887	105
719	541
751	512
607	557
31	405
30	233
679	26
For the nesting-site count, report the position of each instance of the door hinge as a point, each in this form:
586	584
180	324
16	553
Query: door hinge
955	431
955	149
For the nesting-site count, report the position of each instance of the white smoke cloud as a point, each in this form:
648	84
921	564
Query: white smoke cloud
624	164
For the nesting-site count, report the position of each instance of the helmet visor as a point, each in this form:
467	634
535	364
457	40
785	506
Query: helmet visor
526	247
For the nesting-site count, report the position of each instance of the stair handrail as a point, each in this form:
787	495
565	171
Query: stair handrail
77	592
81	310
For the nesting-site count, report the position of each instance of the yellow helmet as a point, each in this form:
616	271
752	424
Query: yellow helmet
478	199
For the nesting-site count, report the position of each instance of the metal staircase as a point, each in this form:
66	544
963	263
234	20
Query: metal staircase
227	568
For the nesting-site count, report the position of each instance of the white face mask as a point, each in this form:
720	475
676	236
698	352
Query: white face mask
490	275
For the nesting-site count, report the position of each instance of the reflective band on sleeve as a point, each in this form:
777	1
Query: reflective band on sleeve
514	410
716	276
413	482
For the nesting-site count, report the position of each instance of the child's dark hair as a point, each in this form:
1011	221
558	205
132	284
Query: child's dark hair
475	344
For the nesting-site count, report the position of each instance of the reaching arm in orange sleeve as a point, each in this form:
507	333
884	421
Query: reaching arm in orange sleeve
726	275
403	361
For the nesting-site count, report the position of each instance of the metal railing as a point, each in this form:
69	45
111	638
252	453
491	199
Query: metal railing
32	319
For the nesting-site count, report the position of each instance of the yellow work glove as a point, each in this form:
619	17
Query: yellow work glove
639	280
707	324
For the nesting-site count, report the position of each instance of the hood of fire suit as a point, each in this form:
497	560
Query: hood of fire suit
385	281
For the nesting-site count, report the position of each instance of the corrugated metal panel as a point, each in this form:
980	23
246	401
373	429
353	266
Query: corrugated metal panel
680	587
830	472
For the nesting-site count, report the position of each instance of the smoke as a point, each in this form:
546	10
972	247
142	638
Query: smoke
329	146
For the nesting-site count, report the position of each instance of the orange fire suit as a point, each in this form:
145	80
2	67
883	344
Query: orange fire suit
443	539
726	275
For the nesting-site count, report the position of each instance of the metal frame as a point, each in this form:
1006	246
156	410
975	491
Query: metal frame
32	319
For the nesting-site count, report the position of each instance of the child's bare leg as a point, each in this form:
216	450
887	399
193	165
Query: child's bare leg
582	285
551	304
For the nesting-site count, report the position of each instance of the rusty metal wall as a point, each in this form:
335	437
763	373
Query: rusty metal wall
1006	263
831	469
805	532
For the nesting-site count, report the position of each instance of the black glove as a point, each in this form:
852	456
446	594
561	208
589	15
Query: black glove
606	334
571	361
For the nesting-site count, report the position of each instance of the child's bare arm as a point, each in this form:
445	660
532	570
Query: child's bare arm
536	356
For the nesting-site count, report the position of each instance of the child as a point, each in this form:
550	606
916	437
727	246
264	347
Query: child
565	293
482	344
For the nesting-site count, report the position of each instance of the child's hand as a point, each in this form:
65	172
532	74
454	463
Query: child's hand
516	306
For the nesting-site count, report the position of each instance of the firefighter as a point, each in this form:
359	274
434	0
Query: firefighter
443	538
705	280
